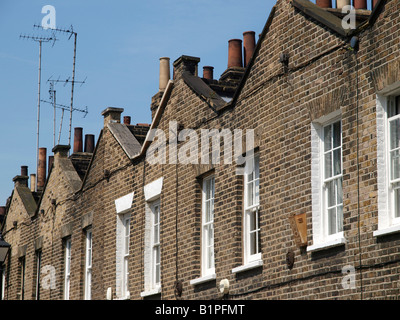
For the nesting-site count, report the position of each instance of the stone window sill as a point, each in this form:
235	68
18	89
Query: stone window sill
150	292
204	279
248	266
327	245
387	231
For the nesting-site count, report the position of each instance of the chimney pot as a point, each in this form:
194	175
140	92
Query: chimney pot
33	182
42	168
2	211
89	143
127	120
360	4
374	3
78	140
164	73
208	72
249	45
235	53
324	3
24	171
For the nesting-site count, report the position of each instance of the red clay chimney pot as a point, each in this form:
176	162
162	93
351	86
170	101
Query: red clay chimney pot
208	72
89	143
235	53
42	168
78	142
24	171
127	120
360	4
324	3
249	44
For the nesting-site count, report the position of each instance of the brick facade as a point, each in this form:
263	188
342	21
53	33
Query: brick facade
280	101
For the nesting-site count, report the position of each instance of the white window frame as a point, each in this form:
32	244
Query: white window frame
152	195
155	244
387	221
88	264
325	215
125	255
38	267
207	248
253	208
320	226
67	269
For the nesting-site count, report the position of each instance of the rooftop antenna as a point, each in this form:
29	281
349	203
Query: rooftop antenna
52	92
40	40
63	108
72	33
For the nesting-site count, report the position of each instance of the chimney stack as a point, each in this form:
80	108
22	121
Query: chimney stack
112	115
235	54
164	73
33	182
78	142
89	143
249	44
208	72
127	120
41	178
324	3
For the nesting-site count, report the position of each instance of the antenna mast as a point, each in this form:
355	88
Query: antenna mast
72	33
40	40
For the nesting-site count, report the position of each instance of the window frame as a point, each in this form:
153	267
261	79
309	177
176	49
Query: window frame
206	270
22	261
248	210
391	182
38	255
88	263
155	245
67	268
126	222
324	192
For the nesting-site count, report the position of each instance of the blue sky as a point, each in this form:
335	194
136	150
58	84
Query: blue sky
118	50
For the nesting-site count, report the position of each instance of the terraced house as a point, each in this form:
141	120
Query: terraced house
159	212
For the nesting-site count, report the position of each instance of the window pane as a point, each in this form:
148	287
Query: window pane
339	191
328	138
157	280
253	243
332	220
253	221
395	161
337	163
156	234
328	165
397	200
394	134
393	107
337	134
250	194
340	218
330	189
